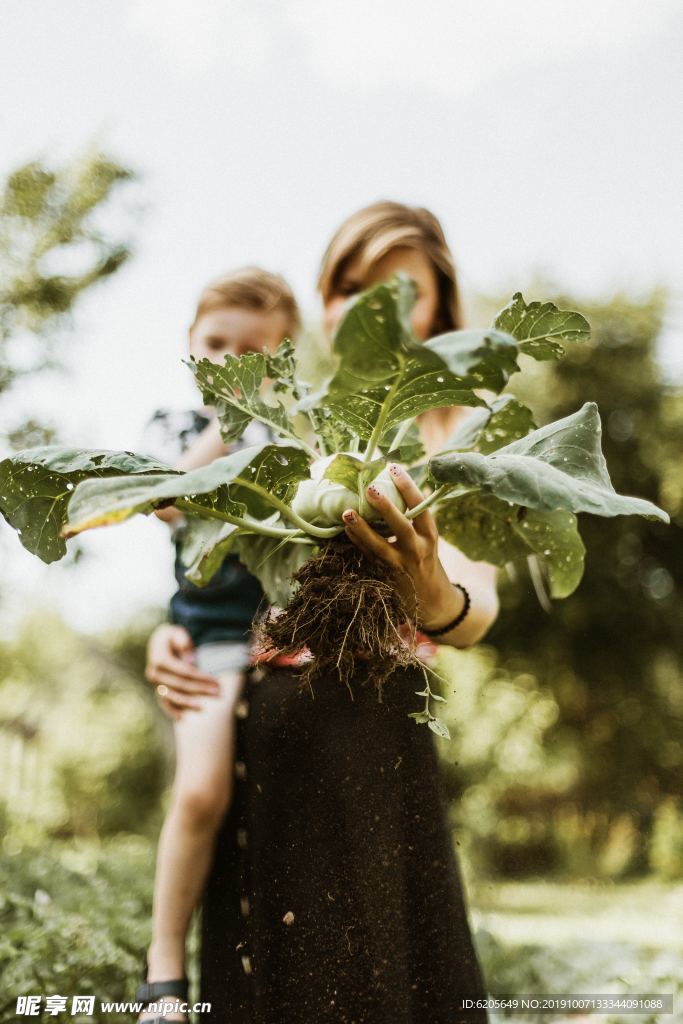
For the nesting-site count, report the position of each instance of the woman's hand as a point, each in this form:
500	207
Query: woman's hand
414	552
170	668
419	555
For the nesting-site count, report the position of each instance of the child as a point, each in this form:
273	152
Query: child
248	310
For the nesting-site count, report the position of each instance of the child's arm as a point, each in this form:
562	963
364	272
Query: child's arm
206	447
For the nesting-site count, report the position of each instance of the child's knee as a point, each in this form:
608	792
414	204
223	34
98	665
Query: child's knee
202	808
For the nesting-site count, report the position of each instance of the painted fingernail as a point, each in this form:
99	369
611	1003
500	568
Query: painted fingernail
373	491
349	516
395	469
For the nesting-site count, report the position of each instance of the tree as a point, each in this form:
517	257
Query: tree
612	653
48	224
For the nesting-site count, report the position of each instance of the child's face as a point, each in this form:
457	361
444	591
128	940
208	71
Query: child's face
235	331
409	261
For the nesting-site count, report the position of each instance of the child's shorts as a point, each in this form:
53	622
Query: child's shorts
223	656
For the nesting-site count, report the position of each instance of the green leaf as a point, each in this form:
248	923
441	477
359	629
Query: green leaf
345	469
485	430
481	358
235	485
540	327
420	474
421	716
560	465
281	368
487	529
204	546
27	191
234	389
410	448
104	502
383	374
276	470
273	562
37	484
335	436
439	727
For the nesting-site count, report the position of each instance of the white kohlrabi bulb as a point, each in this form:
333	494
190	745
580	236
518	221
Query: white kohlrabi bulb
321	501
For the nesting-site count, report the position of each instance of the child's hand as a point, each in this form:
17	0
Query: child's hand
170	669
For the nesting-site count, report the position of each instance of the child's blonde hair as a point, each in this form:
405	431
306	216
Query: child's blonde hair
251	288
370	233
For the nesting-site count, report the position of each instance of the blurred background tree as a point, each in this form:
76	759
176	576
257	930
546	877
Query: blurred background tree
565	762
52	249
570	728
567	724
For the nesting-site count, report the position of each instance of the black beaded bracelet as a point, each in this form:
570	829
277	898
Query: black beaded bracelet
456	621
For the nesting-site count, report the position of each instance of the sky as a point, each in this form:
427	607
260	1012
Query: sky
545	134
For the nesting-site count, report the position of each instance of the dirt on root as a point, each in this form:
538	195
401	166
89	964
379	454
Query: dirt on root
347	610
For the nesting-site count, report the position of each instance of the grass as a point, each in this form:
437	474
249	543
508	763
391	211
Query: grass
543	936
75	918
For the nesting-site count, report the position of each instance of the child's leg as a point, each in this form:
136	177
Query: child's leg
201	794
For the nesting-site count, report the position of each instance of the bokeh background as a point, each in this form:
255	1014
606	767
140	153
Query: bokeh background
146	146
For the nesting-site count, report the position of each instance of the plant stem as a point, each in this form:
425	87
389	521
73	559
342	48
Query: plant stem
439	492
285	510
401	433
537	580
384	411
426	502
253	525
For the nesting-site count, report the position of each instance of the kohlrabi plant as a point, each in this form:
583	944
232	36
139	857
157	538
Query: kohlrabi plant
502	489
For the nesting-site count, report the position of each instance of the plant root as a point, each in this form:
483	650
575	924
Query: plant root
347	610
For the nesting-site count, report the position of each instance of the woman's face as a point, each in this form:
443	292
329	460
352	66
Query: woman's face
409	261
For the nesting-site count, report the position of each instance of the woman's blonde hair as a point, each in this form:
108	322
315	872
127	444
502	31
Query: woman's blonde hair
370	233
251	288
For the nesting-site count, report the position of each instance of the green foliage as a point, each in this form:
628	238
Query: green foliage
41	212
75	921
609	658
559	466
234	389
35	490
485	430
540	327
521	491
383	377
82	742
48	220
85	755
666	842
486	528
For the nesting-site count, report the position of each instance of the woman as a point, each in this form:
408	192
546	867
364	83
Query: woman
335	893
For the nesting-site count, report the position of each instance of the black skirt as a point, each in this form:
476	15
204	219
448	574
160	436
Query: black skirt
335	894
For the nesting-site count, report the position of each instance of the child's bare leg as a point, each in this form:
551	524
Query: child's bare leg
201	794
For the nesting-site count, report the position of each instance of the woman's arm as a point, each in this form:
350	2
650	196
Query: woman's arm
428	564
479	579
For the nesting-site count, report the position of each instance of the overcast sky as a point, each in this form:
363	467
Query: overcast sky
544	133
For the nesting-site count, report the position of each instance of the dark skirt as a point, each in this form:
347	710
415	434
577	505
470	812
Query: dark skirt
335	894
